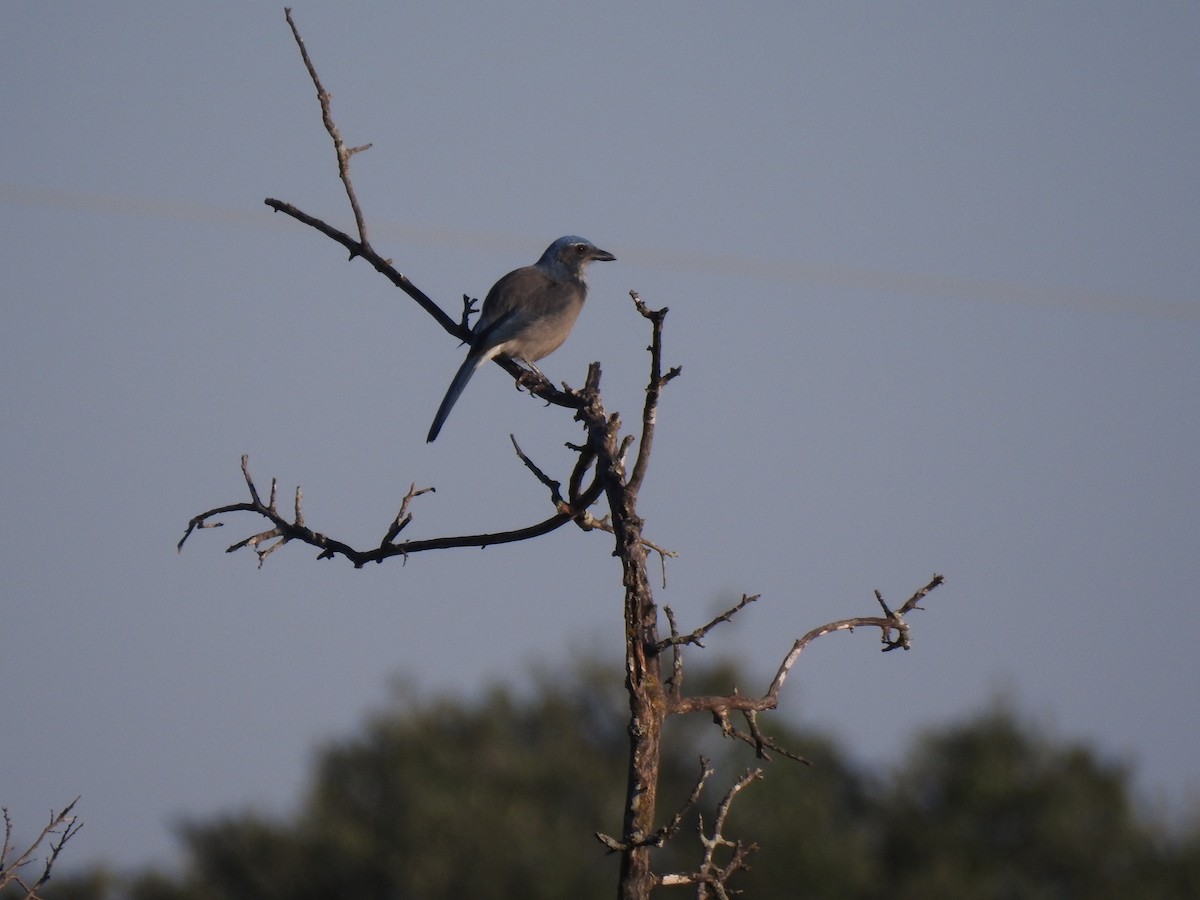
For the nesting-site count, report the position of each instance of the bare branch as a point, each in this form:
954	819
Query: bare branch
653	389
588	522
697	636
381	265
894	632
741	852
677	641
764	742
669	830
587	458
583	518
343	152
709	874
554	487
661	835
468	311
675	684
889	623
294	530
911	602
6	847
404	516
749	707
61	828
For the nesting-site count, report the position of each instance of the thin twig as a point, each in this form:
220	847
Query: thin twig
343	152
403	517
698	635
664	833
554	487
61	828
653	389
709	874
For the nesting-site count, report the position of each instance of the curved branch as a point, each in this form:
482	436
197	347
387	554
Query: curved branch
894	633
284	530
539	387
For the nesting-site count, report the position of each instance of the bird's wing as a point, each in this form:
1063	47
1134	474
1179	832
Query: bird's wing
520	297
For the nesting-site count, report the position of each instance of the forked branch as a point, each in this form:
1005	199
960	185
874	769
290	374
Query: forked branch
658	380
61	828
284	529
710	875
343	152
660	836
894	634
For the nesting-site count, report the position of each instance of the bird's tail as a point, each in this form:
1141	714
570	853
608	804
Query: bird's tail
465	371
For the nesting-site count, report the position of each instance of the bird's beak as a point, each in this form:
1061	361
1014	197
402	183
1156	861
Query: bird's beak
602	255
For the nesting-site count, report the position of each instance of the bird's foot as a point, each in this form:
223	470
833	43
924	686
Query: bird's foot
531	377
536	370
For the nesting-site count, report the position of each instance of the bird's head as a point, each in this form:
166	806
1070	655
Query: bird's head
568	256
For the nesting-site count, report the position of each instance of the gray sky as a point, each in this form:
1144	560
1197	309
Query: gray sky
934	283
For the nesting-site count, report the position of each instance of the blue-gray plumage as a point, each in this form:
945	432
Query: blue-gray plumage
527	314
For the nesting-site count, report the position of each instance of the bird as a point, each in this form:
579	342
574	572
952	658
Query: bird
527	314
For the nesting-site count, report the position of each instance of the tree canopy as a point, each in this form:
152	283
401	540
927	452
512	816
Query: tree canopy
500	796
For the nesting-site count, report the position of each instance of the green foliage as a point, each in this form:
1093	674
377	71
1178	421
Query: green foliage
994	806
500	798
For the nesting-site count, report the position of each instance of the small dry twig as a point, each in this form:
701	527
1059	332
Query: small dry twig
343	152
661	835
61	828
709	874
676	639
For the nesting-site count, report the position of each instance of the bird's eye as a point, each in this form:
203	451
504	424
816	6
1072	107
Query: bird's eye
580	248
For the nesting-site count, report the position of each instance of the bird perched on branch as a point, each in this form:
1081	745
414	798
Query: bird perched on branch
527	314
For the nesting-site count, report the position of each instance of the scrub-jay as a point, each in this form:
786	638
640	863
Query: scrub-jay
527	314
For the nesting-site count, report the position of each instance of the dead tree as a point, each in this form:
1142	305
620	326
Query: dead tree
604	475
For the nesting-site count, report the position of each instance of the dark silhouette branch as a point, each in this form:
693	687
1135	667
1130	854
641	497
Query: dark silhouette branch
284	530
343	152
383	266
469	309
554	486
